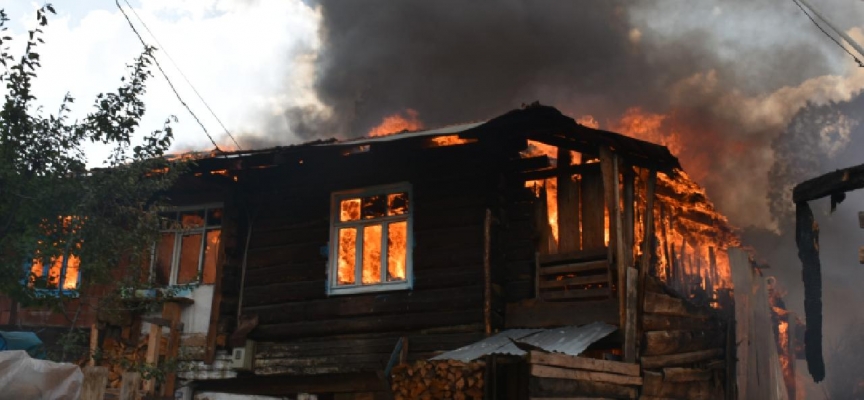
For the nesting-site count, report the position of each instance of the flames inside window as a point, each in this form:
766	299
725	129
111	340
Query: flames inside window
370	235
55	271
188	246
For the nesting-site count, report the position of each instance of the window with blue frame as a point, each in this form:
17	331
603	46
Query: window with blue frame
56	275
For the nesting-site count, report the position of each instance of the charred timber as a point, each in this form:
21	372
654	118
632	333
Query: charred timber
807	238
839	181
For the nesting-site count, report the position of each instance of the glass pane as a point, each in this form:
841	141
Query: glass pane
192	219
374	207
347	256
397	203
371	254
36	271
397	246
211	255
164	255
214	217
70	280
190	251
349	210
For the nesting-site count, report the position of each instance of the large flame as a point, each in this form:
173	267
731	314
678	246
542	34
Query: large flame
396	123
372	247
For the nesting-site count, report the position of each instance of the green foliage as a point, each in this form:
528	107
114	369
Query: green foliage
51	204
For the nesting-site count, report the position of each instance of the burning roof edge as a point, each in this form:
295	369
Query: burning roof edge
535	122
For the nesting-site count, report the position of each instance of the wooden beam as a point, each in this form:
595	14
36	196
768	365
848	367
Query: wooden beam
172	311
839	181
129	385
152	358
568	205
94	345
686	374
647	248
609	168
592	211
630	331
575	362
807	239
679	359
94	384
544	371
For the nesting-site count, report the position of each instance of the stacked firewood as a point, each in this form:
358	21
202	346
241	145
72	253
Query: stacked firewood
448	379
116	353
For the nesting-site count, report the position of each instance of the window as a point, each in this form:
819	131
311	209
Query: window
371	240
55	277
188	246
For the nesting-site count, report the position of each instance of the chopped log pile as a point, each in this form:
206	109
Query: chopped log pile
563	376
683	348
448	379
117	355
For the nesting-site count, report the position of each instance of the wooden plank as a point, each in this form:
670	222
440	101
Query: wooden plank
662	304
577	281
544	371
609	168
541	314
686	374
576	267
655	386
657	322
671	342
568	206
94	384
679	359
94	345
129	385
576	294
587	254
647	245
152	357
556	387
842	180
593	219
630	321
172	311
574	362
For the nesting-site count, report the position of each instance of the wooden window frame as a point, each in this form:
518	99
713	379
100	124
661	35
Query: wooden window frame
333	288
179	233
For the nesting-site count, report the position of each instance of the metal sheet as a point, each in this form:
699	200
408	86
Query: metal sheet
500	344
570	340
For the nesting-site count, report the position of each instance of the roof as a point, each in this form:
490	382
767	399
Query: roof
570	340
536	122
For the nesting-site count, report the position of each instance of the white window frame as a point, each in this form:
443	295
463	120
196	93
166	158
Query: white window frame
179	232
333	288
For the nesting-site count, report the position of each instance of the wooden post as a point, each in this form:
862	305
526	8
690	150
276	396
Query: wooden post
630	315
129	386
95	382
568	206
487	273
171	311
592	191
94	345
666	254
609	166
629	212
152	358
647	244
712	260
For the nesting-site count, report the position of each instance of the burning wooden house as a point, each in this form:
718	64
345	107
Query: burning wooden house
357	269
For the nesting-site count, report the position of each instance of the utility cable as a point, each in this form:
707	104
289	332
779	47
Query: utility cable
166	77
860	64
165	51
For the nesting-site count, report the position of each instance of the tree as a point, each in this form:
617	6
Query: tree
56	211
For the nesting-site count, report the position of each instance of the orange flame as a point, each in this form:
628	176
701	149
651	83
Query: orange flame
398	123
649	127
372	251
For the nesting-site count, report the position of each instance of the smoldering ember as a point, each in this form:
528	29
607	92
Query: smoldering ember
432	200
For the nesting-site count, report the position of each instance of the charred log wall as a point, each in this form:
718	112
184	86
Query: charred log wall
302	329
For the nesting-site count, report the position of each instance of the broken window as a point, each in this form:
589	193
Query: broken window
370	240
188	245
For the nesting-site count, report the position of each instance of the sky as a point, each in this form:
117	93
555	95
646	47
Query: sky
247	59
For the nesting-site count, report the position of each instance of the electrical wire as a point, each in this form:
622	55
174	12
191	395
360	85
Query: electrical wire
813	20
165	51
166	77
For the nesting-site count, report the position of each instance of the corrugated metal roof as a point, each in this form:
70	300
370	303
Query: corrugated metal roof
570	340
501	344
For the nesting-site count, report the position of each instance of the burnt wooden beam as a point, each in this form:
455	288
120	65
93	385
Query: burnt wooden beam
551	172
840	181
568	205
807	239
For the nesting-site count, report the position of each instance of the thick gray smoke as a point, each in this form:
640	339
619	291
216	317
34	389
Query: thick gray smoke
710	66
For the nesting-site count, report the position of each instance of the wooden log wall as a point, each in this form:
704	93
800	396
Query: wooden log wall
563	376
683	347
286	276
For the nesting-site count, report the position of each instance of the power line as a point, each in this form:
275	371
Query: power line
166	77
165	50
813	20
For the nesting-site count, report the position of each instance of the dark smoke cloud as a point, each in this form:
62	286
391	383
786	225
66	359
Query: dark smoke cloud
456	61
